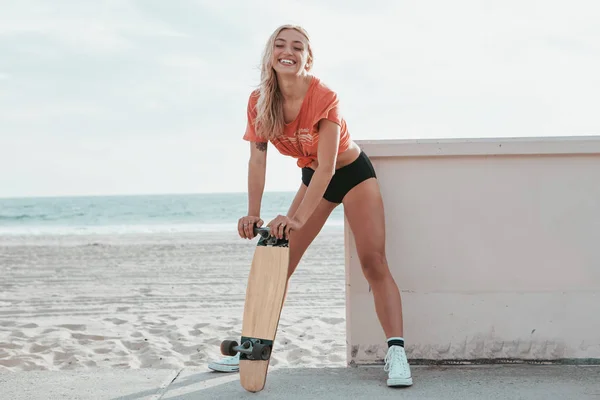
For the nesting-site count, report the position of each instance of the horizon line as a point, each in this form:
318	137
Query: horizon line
54	196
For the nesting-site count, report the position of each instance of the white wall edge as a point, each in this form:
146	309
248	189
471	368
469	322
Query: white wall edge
481	146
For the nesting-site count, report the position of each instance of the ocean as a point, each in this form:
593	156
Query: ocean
211	212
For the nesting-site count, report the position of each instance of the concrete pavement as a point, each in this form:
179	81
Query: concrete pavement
366	382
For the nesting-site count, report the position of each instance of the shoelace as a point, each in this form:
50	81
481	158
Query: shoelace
394	358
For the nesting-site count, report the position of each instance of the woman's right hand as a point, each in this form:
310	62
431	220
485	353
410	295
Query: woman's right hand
246	226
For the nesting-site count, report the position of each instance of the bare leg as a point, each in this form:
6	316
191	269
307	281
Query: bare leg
363	206
300	240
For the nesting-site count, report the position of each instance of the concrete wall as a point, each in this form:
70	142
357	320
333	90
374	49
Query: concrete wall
495	245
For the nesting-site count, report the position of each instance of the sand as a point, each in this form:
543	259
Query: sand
157	301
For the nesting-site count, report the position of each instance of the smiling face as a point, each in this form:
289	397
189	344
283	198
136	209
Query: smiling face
291	53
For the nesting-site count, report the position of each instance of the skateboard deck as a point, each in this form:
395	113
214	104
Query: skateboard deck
265	292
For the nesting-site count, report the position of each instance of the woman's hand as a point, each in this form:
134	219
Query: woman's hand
246	226
281	226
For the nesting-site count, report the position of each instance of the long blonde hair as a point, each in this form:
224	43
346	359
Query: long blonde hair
269	120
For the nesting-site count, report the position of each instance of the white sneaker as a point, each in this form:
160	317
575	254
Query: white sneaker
227	364
397	367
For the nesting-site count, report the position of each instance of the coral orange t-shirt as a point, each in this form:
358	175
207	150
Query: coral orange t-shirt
300	138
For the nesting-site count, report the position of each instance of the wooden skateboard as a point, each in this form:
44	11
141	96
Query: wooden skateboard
265	293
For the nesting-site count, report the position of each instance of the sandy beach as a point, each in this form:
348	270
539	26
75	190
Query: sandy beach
156	301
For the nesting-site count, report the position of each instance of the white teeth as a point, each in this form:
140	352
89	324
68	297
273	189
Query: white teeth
284	61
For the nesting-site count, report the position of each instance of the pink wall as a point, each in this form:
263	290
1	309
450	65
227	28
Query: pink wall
495	244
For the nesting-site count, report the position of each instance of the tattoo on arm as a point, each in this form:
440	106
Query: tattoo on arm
261	146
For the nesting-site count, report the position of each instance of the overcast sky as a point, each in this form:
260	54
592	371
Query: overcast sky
119	97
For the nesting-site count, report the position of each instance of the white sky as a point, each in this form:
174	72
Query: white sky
122	97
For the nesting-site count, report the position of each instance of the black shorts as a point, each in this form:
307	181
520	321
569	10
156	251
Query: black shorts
344	178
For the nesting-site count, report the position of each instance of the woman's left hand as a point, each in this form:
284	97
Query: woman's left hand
281	226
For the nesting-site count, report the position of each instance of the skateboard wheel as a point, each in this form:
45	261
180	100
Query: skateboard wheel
261	351
227	347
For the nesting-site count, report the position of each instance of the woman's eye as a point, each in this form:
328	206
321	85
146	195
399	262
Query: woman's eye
297	49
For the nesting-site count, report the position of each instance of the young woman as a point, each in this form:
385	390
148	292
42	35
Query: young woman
300	116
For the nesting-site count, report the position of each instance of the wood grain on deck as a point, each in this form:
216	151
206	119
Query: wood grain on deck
264	299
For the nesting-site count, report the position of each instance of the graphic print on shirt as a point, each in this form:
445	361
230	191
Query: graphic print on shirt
302	140
306	138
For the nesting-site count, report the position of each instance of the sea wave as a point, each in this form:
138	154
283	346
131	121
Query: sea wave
40	230
22	217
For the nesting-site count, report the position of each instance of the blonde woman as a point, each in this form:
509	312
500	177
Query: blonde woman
300	116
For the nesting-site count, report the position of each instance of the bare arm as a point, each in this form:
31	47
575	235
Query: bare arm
329	138
257	167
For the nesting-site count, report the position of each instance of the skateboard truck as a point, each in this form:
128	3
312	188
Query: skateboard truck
267	240
250	349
